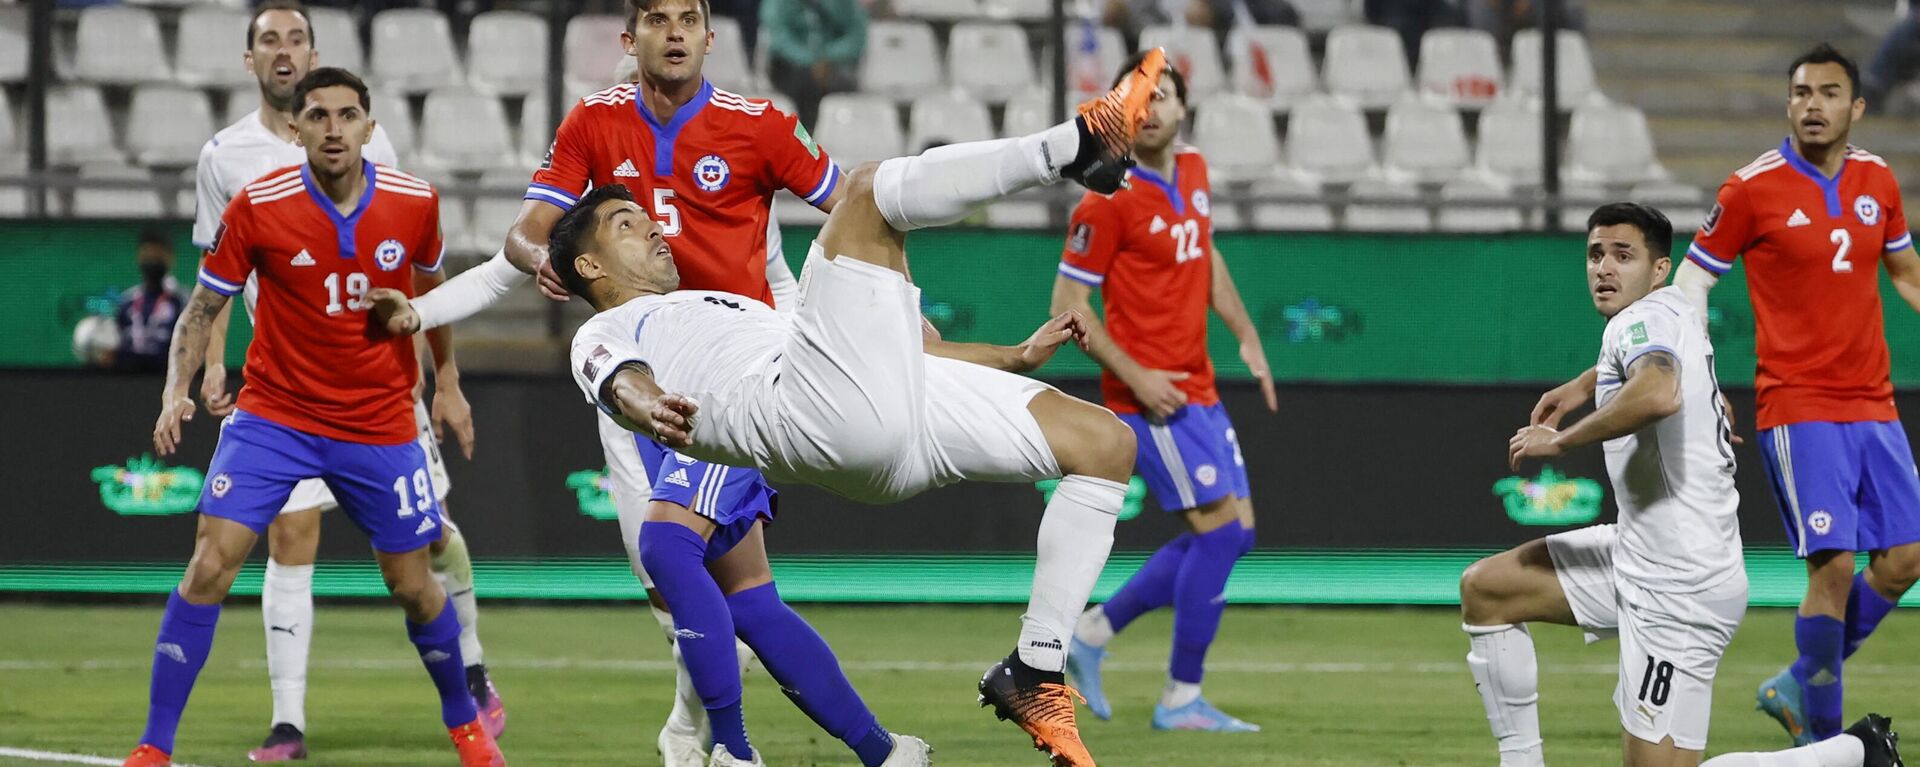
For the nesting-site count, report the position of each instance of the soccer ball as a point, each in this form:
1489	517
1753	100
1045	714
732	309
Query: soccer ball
94	340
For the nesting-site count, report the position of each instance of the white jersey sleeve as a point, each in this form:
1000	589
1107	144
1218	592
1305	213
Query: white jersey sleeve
786	289
209	198
1638	330
600	348
380	148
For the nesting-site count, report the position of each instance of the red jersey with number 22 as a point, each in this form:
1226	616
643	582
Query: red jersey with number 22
313	365
708	175
1813	247
1149	249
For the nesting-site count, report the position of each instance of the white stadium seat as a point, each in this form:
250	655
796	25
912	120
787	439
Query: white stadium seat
166	125
1327	139
497	207
135	201
1304	212
391	112
1685	206
1611	144
456	222
1425	141
13	43
1366	64
1236	134
78	130
793	211
1017	10
1577	201
9	136
1195	51
183	198
727	65
1381	206
120	45
1575	63
413	51
1019	214
990	61
1461	65
856	128
464	130
507	52
1029	112
949	117
1272	64
536	130
1094	56
1323	15
208	47
13	199
337	38
902	60
1467	205
1510	142
938	10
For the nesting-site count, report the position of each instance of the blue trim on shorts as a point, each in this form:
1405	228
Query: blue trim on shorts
733	497
1843	486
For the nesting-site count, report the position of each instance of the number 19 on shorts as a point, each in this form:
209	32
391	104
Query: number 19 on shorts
421	498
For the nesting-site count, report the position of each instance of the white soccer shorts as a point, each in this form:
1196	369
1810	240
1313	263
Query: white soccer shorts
1670	644
314	494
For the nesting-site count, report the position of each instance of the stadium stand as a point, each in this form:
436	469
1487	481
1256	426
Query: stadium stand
902	61
78	127
1327	139
115	202
13	43
947	117
1380	205
1195	52
857	128
507	53
991	61
167	125
1474	189
1236	134
1367	65
1462	66
206	47
337	38
1425	141
1273	64
727	64
413	51
593	51
120	45
463	130
1575	76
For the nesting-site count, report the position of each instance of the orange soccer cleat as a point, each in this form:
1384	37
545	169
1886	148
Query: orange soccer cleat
147	756
1042	704
476	747
1113	120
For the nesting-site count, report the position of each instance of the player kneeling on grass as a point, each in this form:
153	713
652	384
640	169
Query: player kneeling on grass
1668	579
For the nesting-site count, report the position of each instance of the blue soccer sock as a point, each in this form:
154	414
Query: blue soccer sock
1821	640
438	641
703	629
1865	609
1151	587
807	671
186	636
1200	597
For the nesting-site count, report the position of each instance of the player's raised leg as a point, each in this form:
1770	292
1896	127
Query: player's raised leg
1499	595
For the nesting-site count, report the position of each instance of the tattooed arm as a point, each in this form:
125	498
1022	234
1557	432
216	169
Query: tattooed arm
184	358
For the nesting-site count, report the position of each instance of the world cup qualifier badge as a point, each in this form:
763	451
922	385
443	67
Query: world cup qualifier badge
389	255
711	173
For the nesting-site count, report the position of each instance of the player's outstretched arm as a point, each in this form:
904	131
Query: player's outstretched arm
641	406
1650	393
1153	388
467	292
451	413
1903	266
185	356
1024	358
1225	298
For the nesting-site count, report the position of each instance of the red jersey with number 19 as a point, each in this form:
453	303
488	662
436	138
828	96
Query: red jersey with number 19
1813	247
313	365
712	202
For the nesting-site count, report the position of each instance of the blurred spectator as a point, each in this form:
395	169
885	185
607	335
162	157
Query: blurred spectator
816	47
1505	17
147	310
1412	18
1134	16
1895	62
747	13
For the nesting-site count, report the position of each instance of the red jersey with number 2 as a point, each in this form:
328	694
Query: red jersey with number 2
314	365
1149	250
708	175
1813	247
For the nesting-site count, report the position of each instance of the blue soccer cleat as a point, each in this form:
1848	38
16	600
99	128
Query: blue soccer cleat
1083	667
1782	699
1198	715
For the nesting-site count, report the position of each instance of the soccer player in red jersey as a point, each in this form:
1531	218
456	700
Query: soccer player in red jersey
1149	250
326	396
1814	219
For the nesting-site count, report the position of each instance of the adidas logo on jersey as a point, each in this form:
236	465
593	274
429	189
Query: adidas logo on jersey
1159	225
1799	218
303	259
678	477
626	170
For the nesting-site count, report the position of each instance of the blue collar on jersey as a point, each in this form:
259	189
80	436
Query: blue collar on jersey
665	135
1170	187
1829	186
343	226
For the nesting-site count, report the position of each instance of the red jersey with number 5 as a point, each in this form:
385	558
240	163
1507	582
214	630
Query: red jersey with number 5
712	202
1149	250
1813	247
314	365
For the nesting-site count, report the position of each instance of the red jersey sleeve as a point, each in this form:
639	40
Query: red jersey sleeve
1899	237
798	163
563	176
432	250
227	265
1093	237
1728	229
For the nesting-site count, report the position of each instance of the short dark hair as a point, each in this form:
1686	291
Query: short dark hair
154	235
279	5
1172	73
329	77
637	7
1653	225
1825	53
575	229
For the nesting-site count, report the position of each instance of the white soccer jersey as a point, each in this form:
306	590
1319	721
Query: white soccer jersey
239	155
1672	480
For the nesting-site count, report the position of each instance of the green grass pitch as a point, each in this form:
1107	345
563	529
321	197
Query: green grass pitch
589	685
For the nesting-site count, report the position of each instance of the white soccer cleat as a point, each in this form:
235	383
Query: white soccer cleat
909	751
724	758
681	750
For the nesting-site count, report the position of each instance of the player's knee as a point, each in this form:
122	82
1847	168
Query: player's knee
1481	594
1105	446
1898	569
413	592
207	579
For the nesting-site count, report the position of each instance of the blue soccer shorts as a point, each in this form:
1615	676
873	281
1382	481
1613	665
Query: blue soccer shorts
1190	460
1843	486
385	489
733	497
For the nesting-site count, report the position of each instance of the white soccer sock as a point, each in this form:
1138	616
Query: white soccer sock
454	570
1076	534
1178	693
286	607
689	716
1094	628
1840	751
948	183
1508	676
